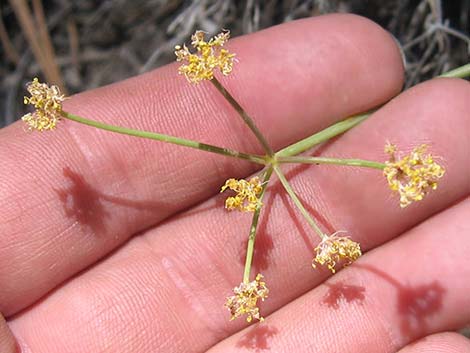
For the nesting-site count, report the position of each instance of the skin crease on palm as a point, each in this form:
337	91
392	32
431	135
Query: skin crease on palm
115	244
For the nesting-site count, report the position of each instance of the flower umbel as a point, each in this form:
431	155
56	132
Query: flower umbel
47	102
246	298
209	56
333	249
413	176
247	197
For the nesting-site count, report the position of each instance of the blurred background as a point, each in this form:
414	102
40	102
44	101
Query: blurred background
82	44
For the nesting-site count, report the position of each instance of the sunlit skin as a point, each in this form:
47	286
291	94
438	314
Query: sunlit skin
154	276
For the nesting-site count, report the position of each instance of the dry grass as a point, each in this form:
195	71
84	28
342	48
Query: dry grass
85	44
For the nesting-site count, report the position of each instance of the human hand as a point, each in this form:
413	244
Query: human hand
114	244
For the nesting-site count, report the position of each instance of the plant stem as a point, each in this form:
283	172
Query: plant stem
460	72
323	135
349	123
244	115
254	225
167	138
298	203
327	160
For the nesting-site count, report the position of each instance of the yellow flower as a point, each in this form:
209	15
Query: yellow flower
247	197
333	249
246	299
209	56
47	102
414	175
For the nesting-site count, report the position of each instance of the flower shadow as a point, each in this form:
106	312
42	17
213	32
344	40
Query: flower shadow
257	338
87	205
340	292
415	304
82	202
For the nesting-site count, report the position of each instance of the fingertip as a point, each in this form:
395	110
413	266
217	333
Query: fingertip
443	88
331	48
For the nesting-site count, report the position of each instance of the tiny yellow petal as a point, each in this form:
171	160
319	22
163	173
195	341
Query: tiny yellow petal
333	249
412	176
47	102
247	194
245	299
208	57
390	148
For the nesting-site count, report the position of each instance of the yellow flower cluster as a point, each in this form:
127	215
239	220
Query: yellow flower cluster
247	197
414	175
333	249
47	102
209	56
246	299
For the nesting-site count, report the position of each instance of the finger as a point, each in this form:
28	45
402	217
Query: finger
184	279
389	298
71	196
447	342
7	341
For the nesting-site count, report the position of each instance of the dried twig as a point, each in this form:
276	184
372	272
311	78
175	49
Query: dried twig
8	46
37	34
74	48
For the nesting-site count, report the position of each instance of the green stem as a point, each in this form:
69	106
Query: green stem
167	138
460	72
323	135
244	115
349	123
298	203
254	225
327	160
